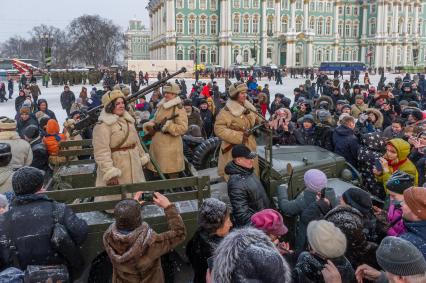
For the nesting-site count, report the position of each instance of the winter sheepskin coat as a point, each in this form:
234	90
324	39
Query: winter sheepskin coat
135	255
127	165
231	121
22	154
167	145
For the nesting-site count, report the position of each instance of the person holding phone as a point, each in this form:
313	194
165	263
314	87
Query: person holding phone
395	158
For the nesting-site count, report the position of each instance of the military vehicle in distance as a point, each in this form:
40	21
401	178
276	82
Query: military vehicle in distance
279	166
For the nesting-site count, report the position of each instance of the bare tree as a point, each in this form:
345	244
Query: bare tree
95	40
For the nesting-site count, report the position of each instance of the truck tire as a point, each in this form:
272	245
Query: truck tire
206	154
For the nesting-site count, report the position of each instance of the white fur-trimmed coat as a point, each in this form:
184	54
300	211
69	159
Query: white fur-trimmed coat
126	165
22	155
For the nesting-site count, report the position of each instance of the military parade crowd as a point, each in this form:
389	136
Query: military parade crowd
375	233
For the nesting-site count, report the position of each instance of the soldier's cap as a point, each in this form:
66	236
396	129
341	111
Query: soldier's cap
241	150
171	88
110	96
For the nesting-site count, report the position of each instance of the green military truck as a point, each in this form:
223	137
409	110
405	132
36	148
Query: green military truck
74	182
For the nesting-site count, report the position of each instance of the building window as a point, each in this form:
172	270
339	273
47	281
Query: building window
328	27
255	4
203	4
269	26
299	22
236	28
312	23
319	56
236	52
319	26
312	6
409	26
203	56
246	24
284	24
355	30
340	10
179	55
373	27
192	54
236	3
389	25
213	25
213	4
299	4
269	53
355	55
328	7
340	28
355	11
191	25
213	57
255	24
327	55
179	24
401	26
179	4
320	6
348	29
245	56
191	4
373	8
270	4
348	11
246	4
419	27
203	25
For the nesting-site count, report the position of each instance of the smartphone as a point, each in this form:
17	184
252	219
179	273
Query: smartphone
323	193
378	165
147	197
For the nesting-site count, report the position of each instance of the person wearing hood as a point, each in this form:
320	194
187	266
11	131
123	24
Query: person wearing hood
414	214
214	224
167	144
134	248
306	134
369	122
327	243
395	158
40	155
246	193
118	154
359	107
21	149
345	142
26	119
248	255
233	124
6	171
51	141
43	107
283	128
315	183
95	98
371	149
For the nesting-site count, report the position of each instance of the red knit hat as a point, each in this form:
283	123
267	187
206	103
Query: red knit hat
269	221
415	198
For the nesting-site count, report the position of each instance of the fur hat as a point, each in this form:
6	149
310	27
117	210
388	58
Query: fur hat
359	96
27	180
110	96
315	180
171	88
269	221
25	110
248	253
7	124
212	214
358	199
326	239
415	199
236	88
127	214
400	257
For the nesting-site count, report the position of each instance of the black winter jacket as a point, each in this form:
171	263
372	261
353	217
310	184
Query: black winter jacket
22	125
245	192
208	121
346	144
29	222
40	155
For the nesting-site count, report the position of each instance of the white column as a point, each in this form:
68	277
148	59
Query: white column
377	57
416	19
336	21
395	21
404	54
306	14
277	17
264	44
309	51
336	52
293	15
406	20
394	56
379	19
364	19
385	19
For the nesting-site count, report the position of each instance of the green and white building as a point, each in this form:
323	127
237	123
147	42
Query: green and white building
137	41
289	32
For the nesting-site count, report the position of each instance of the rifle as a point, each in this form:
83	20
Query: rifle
91	117
157	127
249	131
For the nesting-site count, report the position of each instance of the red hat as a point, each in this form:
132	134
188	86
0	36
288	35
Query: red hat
269	221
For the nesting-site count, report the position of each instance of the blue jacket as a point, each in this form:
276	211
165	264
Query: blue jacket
346	144
416	234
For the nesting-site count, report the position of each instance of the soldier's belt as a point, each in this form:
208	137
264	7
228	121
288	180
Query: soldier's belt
123	148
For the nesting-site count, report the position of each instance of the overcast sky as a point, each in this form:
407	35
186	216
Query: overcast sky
17	17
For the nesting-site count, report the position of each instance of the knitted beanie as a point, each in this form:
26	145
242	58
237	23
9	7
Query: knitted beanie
212	214
27	180
269	221
315	180
358	199
326	239
31	132
400	257
415	198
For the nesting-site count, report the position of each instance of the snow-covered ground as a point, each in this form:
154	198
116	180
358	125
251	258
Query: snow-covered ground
52	94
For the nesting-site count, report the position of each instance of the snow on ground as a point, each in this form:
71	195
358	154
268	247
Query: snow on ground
52	93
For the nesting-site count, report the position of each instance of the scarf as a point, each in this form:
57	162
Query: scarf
396	166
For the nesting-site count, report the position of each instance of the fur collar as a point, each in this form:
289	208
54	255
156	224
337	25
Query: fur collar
9	135
111	119
166	105
237	109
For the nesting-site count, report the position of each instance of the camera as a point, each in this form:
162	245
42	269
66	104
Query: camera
147	197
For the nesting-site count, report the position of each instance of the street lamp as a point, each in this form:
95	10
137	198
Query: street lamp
344	29
254	51
195	40
47	54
